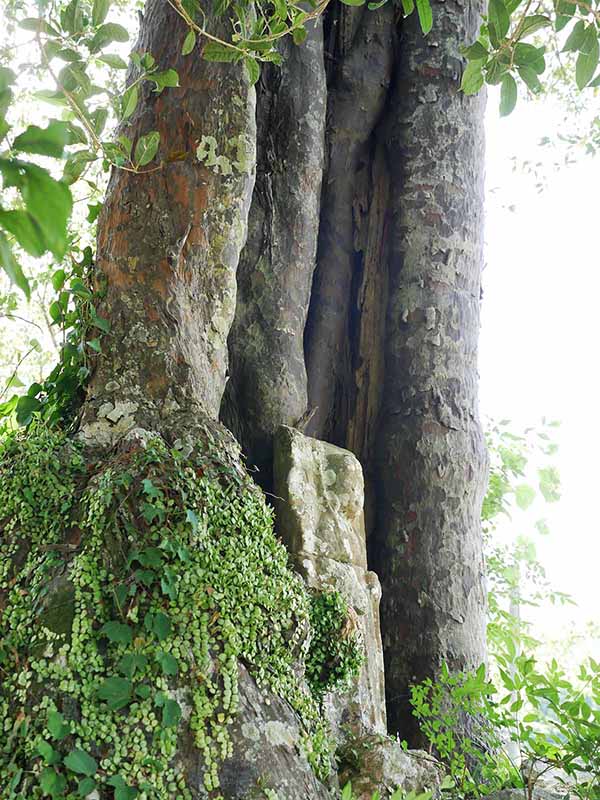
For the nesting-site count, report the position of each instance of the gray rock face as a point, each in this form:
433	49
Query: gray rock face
377	763
320	495
267	757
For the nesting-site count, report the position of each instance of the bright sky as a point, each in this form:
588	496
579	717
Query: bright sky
540	330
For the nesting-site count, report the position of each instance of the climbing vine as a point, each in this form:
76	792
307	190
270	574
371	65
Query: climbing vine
128	598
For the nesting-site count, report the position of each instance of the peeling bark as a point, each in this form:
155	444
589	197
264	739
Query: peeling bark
267	386
360	50
169	242
430	459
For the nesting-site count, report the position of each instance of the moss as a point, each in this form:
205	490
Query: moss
130	591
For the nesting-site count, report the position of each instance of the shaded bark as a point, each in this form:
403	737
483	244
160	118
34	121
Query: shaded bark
267	385
169	242
430	456
360	53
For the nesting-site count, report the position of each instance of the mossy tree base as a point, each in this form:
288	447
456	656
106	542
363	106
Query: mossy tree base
132	590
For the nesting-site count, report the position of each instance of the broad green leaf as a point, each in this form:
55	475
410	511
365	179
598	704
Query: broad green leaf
26	407
213	51
11	266
37	25
129	102
534	23
163	80
99	11
107	33
575	38
299	35
116	692
117	632
408	6
49	141
113	60
146	148
168	663
499	17
253	70
161	626
476	52
48	753
526	54
354	2
79	761
171	713
425	15
132	663
86	786
189	42
57	726
50	202
587	60
531	79
52	783
25	230
71	17
472	79
508	95
122	790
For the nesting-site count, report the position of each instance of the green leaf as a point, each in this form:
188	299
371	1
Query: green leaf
71	18
472	79
526	54
122	790
575	38
499	17
52	783
524	495
171	713
82	763
50	202
299	35
25	230
132	663
116	692
253	70
508	95
86	786
146	148
129	102
107	33
425	15
530	77
49	141
161	626
587	60
48	753
163	80
11	266
113	60
168	663
408	6
534	23
213	51
57	726
189	42
117	632
354	2
476	52
99	12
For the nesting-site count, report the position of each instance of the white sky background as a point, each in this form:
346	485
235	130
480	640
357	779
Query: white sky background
540	337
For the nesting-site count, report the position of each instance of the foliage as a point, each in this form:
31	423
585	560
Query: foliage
531	718
397	794
336	650
128	598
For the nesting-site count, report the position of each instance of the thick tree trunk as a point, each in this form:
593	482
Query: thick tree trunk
267	386
169	243
430	461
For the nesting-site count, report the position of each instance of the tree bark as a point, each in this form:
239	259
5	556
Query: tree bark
169	243
430	460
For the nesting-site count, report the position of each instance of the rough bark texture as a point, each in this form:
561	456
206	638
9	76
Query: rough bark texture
267	386
430	456
359	53
169	243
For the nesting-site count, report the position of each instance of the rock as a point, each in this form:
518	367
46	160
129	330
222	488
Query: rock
377	763
520	794
267	752
319	492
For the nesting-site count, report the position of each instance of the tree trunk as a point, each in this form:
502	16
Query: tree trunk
357	302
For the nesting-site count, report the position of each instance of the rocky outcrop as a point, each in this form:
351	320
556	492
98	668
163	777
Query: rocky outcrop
268	759
319	492
375	763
